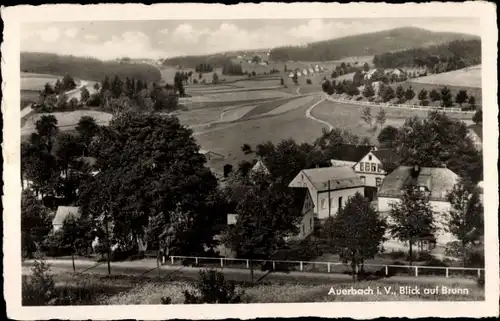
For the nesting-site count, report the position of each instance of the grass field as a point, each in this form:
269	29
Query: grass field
126	290
267	106
227	139
343	115
467	77
67	120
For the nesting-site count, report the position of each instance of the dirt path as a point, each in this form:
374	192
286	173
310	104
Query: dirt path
308	114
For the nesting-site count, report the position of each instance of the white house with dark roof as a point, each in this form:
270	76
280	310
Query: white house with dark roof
374	166
62	213
435	182
329	187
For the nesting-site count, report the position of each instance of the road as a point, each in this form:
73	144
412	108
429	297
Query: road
147	268
74	93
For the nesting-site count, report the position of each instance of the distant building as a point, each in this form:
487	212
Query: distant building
62	213
260	167
232	67
330	188
310	70
435	182
475	133
290	75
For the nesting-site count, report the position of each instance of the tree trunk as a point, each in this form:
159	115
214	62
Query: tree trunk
464	256
411	253
158	260
108	246
73	260
251	271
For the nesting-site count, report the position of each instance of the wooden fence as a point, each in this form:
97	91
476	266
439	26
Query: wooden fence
323	267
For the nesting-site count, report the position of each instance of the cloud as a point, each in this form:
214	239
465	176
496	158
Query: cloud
185	33
71	32
49	35
90	37
163	31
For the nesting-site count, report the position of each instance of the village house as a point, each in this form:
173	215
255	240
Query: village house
475	133
435	182
260	167
329	187
372	74
349	154
373	168
62	213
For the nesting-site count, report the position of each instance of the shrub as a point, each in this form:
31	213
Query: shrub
166	300
480	281
212	288
393	270
395	255
39	288
433	262
425	256
309	82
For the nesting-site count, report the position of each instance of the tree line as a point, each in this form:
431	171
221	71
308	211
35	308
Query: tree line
386	93
85	67
439	58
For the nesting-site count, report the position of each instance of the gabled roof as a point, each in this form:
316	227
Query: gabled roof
351	153
63	212
387	156
478	129
439	181
331	178
300	195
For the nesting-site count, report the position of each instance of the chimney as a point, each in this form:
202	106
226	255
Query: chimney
415	171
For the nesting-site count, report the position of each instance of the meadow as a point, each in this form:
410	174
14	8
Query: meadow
227	139
348	116
91	289
66	121
468	77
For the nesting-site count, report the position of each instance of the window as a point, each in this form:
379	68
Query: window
370	157
379	167
363	179
374	167
361	166
323	205
378	181
340	203
331	202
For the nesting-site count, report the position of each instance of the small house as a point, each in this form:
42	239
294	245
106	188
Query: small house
62	213
329	187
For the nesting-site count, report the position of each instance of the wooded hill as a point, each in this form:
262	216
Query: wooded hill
85	67
366	44
455	55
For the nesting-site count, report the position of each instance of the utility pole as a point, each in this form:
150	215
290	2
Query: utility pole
329	201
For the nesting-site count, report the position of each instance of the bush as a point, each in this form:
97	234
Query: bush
212	288
395	255
166	300
393	270
309	82
480	281
425	256
430	271
39	288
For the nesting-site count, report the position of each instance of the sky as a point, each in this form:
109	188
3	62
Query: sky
168	38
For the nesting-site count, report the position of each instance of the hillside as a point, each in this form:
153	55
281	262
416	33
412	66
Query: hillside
85	68
366	44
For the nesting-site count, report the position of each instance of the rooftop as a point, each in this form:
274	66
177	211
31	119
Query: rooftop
332	178
439	181
351	153
63	212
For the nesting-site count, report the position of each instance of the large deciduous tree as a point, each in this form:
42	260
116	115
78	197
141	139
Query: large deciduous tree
151	169
412	217
267	213
47	129
465	220
388	136
35	223
356	232
437	140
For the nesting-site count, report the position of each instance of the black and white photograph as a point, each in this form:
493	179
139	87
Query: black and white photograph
181	157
